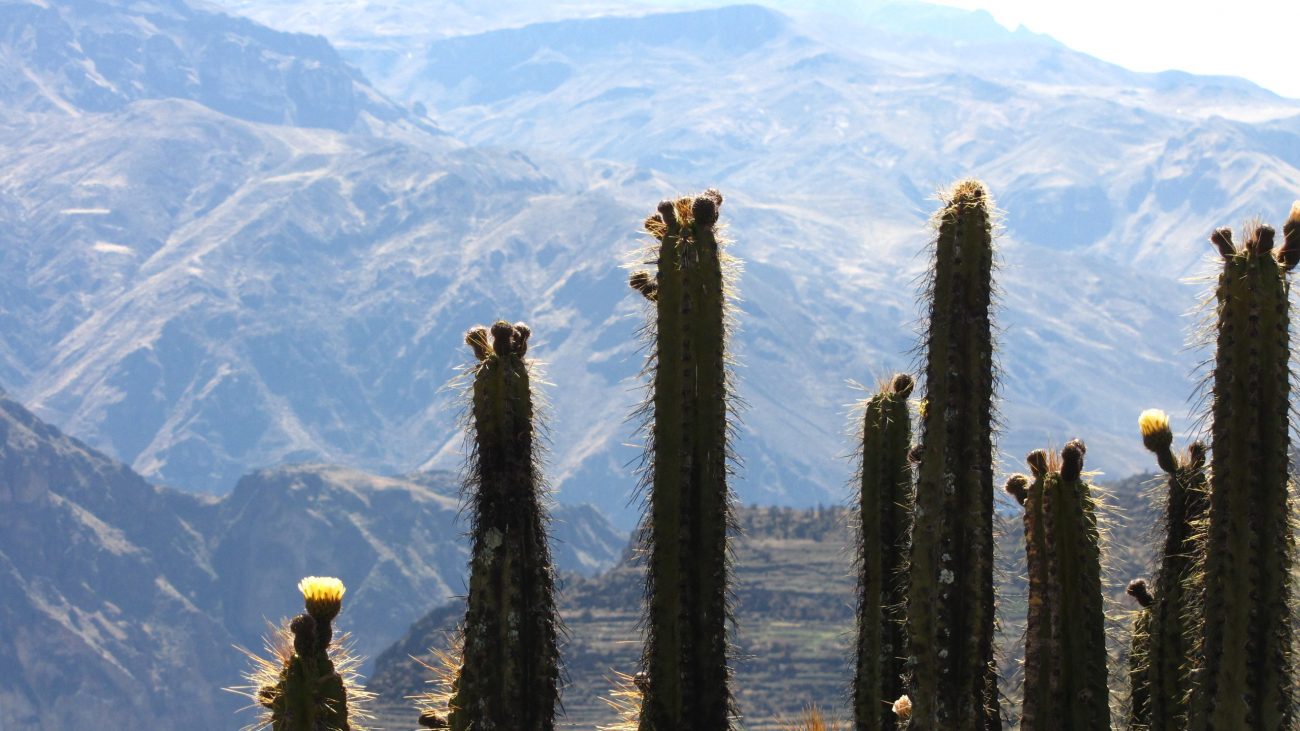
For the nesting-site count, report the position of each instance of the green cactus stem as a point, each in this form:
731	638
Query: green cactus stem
1244	675
1065	639
1139	658
309	682
1163	640
685	526
952	677
884	521
510	671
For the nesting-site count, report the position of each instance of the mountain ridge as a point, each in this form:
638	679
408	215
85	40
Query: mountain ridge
122	600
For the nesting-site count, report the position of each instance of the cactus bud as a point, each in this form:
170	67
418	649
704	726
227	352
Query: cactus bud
1072	460
477	339
704	211
1138	589
1037	461
522	333
668	213
303	628
645	283
654	225
1222	240
902	385
1289	254
903	708
1259	241
1018	487
503	335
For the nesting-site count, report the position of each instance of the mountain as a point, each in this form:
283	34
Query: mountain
201	293
122	602
830	128
793	590
96	56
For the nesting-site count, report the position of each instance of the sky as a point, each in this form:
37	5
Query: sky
1253	39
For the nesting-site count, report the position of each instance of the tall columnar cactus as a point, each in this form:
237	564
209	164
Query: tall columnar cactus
1065	638
1244	677
952	676
884	510
510	672
684	529
1163	644
307	684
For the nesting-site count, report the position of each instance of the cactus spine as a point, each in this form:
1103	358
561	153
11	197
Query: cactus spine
1065	642
953	680
884	520
684	529
510	673
1244	678
1162	638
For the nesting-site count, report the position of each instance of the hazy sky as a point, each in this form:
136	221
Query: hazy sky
1254	39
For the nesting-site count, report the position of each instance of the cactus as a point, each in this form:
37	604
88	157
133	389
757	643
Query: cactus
1160	679
1139	658
687	517
510	669
308	683
884	506
1065	642
1244	676
952	676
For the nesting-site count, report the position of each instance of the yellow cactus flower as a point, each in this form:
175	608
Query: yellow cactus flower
323	596
1152	422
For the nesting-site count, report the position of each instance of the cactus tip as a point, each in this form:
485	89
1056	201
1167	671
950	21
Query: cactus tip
1289	254
1139	590
1222	240
1037	461
667	212
1259	240
654	225
705	211
645	283
323	596
522	333
901	385
1018	487
1072	460
503	335
477	339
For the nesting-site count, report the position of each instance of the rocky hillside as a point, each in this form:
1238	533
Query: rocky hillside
794	616
122	601
202	285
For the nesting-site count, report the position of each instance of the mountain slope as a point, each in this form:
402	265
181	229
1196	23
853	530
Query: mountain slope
203	295
121	601
87	56
830	133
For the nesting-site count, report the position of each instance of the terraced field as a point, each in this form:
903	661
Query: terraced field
793	608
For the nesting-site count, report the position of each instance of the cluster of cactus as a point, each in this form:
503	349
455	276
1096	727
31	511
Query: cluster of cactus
307	683
1212	643
684	680
1065	638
